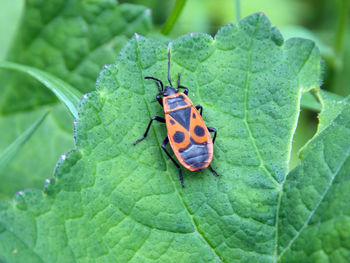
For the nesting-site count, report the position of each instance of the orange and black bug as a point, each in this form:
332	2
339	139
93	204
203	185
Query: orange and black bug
188	136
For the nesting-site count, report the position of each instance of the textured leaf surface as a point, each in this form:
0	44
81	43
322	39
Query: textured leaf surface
111	201
70	40
314	215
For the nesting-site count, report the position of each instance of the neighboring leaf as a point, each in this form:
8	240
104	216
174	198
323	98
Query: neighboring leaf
36	160
69	39
297	31
113	202
7	155
310	101
63	91
314	210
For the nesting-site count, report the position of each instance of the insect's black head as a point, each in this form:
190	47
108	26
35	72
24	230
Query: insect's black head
169	91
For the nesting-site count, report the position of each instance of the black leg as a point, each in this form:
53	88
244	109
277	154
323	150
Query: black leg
182	87
212	170
158	82
159	99
160	119
165	142
211	129
200	108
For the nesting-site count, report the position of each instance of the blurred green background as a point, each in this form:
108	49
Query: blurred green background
324	21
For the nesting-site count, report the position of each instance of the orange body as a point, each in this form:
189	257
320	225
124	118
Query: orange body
188	135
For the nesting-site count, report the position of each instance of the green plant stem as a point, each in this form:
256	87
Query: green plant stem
175	13
238	10
340	32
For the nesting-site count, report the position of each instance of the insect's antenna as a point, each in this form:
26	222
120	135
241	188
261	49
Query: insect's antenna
169	79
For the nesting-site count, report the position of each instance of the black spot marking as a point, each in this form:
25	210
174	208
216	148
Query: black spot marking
199	131
179	137
172	122
193	115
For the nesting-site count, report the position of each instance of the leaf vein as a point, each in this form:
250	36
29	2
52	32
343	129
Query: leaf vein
312	212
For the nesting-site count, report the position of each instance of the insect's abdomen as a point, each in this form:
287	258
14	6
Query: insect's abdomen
188	136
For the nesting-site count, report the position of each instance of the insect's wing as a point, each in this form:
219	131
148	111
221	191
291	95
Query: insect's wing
190	139
179	136
198	129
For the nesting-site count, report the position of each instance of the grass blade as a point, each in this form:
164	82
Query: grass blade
10	152
65	92
174	15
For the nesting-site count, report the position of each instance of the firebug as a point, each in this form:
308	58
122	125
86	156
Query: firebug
188	135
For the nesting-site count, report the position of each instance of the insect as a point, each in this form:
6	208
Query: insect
188	135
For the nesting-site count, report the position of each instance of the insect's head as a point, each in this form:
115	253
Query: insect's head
169	91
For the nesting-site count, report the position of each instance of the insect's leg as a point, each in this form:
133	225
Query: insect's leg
182	87
156	118
159	99
164	143
211	129
158	82
200	108
213	171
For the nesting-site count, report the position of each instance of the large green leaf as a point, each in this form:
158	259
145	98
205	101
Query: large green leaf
113	202
70	40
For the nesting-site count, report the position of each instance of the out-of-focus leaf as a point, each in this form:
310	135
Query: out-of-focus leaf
298	31
37	158
63	91
10	16
69	39
8	154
